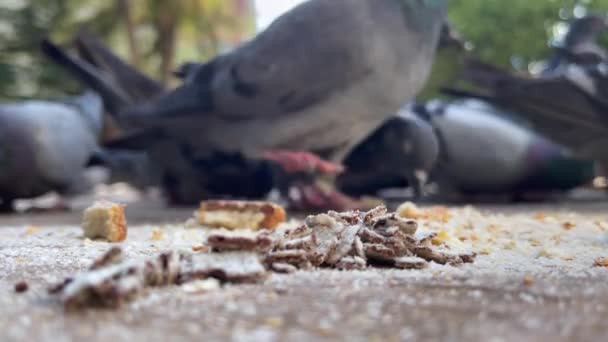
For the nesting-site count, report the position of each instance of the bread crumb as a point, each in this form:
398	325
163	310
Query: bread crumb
274	322
31	230
601	262
240	214
105	220
568	225
437	214
528	281
200	248
157	235
540	216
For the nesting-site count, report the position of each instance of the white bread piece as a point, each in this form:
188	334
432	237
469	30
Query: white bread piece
105	220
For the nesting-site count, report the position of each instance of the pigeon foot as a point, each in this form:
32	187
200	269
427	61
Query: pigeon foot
301	161
318	196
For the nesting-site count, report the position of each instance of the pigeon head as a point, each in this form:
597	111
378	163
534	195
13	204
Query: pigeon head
402	145
415	140
584	30
424	17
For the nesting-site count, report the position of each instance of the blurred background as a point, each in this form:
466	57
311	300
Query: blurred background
157	35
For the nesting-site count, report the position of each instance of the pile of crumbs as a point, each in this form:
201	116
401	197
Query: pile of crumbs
201	259
348	240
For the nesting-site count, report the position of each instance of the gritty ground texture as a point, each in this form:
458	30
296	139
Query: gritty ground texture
534	280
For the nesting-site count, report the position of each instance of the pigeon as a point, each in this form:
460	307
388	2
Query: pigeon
402	152
482	150
569	108
487	150
45	146
303	92
579	44
185	181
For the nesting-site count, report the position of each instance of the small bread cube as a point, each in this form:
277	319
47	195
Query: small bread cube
240	214
105	220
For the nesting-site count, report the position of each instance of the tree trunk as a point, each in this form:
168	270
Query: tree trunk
124	8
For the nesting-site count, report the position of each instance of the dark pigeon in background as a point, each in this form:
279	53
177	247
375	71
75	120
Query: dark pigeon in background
579	44
570	107
472	147
486	150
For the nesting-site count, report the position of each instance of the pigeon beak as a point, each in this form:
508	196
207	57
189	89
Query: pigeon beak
183	101
417	180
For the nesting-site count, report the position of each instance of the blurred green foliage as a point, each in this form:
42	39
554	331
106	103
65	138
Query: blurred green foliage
509	33
156	35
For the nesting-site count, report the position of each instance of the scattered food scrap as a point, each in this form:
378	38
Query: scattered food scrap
225	240
112	281
411	211
201	248
157	235
105	220
601	262
240	214
21	287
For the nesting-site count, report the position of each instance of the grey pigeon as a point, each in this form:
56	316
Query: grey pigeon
486	150
483	151
45	146
569	108
579	45
320	79
184	180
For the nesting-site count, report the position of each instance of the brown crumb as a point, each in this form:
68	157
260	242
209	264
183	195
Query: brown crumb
438	213
528	281
201	248
21	287
568	225
226	240
410	262
113	256
601	262
540	216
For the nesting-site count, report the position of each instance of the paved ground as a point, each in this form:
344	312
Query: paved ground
532	293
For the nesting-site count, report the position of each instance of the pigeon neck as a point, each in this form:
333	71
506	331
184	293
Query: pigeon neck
90	107
424	15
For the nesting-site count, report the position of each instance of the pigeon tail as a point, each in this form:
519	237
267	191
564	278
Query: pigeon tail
88	75
186	100
134	83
